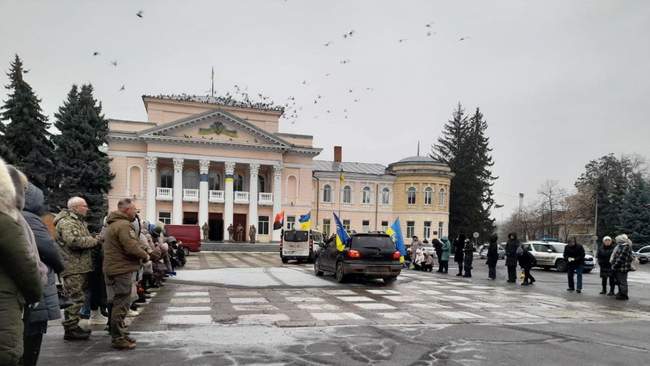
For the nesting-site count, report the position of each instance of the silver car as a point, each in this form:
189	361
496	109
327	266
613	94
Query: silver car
551	255
643	254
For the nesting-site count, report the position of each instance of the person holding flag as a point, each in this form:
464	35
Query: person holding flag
395	232
305	221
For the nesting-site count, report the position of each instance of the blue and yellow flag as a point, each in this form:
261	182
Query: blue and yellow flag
342	236
395	232
305	221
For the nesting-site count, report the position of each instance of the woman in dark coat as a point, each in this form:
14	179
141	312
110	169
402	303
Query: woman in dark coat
511	257
36	318
459	246
492	257
527	261
468	251
604	254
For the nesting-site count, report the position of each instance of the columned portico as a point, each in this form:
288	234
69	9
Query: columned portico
252	201
177	202
277	198
228	209
152	183
204	168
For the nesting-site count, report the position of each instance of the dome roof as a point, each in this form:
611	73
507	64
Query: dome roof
417	159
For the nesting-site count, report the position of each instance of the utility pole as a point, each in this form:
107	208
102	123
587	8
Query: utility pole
212	87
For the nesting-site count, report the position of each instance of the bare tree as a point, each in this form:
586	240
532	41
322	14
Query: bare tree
552	195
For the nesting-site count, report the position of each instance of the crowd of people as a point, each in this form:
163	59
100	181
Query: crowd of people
103	276
614	260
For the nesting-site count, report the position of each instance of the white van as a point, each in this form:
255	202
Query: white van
299	245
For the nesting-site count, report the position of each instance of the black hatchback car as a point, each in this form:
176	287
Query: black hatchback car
366	255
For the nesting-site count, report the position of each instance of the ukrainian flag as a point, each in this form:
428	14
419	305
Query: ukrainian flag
305	221
395	232
342	236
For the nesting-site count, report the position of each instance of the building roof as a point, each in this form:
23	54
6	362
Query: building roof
417	159
349	167
226	100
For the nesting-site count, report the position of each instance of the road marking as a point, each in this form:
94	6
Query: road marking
470	292
186	319
317	307
336	316
480	305
384	292
429	306
396	315
354	298
304	299
401	298
248	300
255	307
190	300
454	298
458	315
374	306
339	292
261	318
192	294
189	309
430	292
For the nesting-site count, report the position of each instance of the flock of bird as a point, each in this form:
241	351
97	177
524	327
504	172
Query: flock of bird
291	110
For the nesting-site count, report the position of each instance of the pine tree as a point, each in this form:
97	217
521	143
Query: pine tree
25	133
635	211
82	167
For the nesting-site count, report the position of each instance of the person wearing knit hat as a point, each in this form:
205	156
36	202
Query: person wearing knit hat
603	255
621	261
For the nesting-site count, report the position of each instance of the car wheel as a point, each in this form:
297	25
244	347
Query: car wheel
284	260
643	260
340	276
317	270
389	280
560	265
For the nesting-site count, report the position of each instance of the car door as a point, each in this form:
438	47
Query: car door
327	255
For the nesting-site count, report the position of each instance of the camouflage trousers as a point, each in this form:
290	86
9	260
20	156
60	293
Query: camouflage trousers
75	285
119	288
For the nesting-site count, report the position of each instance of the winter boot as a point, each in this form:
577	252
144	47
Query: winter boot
122	343
76	334
96	318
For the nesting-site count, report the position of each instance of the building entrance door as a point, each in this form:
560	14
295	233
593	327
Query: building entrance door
190	218
237	220
215	222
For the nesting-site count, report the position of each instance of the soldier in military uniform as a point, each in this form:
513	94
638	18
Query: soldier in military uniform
75	245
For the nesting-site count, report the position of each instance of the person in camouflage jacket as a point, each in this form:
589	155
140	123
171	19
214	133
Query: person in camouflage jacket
75	245
622	264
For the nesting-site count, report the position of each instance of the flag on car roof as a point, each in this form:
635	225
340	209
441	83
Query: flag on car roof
395	232
342	236
305	221
278	222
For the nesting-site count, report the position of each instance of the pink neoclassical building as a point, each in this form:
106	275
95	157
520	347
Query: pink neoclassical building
212	160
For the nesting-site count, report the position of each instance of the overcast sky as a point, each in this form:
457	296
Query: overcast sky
559	82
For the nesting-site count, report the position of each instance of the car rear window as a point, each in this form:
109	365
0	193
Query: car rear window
296	236
381	242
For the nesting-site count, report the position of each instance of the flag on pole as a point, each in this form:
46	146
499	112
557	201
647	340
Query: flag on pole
305	221
278	222
342	236
395	232
341	177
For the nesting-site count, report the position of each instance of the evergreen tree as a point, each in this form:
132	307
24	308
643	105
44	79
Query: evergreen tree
635	211
82	167
25	133
464	146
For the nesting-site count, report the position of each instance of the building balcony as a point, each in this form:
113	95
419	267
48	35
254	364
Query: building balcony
265	199
164	194
190	195
241	197
216	196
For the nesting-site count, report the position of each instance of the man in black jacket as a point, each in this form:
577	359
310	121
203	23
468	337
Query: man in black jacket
437	246
459	246
511	257
574	255
492	257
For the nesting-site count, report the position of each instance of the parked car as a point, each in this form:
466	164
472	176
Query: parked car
643	254
482	252
368	255
190	235
299	245
551	255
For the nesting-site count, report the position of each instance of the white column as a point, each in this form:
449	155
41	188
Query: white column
177	203
252	196
228	208
204	168
277	198
152	184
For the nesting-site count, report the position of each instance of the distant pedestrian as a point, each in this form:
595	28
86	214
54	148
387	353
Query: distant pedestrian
511	257
526	262
239	234
459	246
574	255
437	246
415	245
492	257
251	233
468	252
604	255
231	232
444	255
622	264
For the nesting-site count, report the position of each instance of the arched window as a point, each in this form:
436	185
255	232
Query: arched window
411	195
347	194
292	189
428	195
238	183
365	198
327	193
190	179
443	197
166	178
261	183
385	196
214	181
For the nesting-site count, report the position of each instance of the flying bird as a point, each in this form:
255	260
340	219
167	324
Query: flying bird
428	25
402	40
114	63
328	74
140	13
327	44
122	88
463	38
96	53
348	34
345	62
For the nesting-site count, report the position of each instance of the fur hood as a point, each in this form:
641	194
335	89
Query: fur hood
7	192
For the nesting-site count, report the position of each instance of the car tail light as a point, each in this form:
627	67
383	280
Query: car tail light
354	254
397	255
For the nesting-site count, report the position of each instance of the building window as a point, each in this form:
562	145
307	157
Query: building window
411	196
326	228
166	178
165	217
427	230
327	193
443	197
366	195
190	179
347	194
385	196
263	225
261	184
238	183
384	225
365	226
428	196
346	225
410	229
214	181
441	226
291	222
